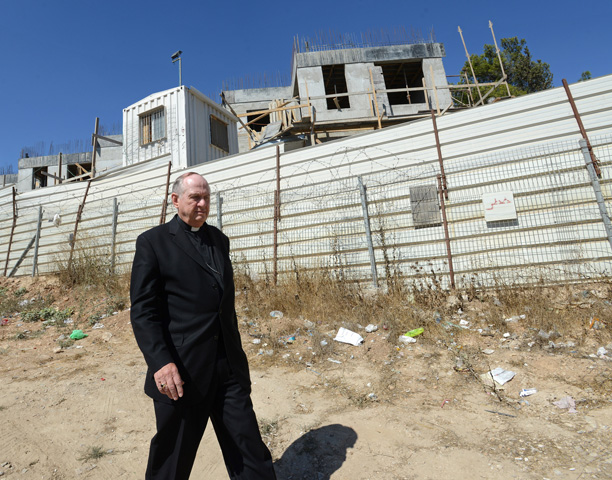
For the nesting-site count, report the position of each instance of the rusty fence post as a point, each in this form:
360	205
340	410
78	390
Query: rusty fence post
449	255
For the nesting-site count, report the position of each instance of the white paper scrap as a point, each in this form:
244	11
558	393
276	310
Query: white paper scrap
502	376
347	336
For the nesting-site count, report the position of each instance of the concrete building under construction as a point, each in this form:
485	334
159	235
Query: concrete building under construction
342	87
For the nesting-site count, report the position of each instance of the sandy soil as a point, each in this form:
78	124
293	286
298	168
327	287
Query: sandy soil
376	411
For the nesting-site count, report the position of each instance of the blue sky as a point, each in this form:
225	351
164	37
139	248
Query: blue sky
65	62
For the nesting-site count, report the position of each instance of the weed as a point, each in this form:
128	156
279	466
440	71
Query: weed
48	315
9	304
20	292
89	267
116	303
268	430
94	318
65	342
93	453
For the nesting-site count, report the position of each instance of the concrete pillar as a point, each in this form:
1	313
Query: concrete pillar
358	80
439	78
313	76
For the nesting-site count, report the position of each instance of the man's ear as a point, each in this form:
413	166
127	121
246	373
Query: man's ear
174	197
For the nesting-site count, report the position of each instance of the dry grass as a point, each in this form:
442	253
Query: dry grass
319	299
90	266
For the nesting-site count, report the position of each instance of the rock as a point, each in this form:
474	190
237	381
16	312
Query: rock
58	350
107	336
371	328
453	302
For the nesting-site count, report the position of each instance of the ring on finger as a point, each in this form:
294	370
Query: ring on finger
162	385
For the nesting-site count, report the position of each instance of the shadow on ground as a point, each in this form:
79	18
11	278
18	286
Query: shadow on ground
317	454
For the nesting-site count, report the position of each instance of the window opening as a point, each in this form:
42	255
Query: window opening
259	125
39	180
335	83
77	169
218	133
403	75
152	126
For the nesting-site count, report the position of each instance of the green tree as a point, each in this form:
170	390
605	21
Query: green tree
525	75
586	75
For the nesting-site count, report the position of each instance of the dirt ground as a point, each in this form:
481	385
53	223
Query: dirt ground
380	410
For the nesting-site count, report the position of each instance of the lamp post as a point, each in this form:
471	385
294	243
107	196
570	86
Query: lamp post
176	56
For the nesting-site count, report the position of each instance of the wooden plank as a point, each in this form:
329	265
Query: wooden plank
59	168
290	107
266	112
54	177
375	100
435	91
93	154
111	140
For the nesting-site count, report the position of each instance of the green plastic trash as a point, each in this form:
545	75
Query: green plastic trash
414	333
77	334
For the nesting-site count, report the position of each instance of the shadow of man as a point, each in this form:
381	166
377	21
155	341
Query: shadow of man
317	454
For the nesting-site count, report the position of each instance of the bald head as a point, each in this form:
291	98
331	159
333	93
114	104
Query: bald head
191	197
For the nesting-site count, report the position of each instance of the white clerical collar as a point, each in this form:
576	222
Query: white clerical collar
194	229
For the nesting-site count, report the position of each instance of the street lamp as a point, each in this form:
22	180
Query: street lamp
177	56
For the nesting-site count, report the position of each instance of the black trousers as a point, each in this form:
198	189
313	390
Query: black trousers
180	429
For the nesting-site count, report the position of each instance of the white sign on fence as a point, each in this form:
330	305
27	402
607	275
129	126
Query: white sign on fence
498	206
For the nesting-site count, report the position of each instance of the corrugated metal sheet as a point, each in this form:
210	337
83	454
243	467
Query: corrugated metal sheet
527	145
187	139
172	101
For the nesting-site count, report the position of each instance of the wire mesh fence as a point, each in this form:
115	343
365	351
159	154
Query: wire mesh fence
524	216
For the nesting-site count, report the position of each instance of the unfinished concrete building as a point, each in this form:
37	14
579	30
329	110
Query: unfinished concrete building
42	171
340	89
180	124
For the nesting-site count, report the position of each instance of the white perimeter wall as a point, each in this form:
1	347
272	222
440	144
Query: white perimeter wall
527	145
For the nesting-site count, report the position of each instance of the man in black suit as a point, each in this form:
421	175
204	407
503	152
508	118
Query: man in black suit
184	320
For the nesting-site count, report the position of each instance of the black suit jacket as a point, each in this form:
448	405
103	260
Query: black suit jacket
181	309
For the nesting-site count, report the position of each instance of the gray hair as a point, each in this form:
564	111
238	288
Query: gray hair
178	186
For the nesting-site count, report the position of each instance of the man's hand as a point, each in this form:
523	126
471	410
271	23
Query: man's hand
169	382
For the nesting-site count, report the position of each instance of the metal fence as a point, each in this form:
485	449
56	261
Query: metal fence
557	233
526	215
